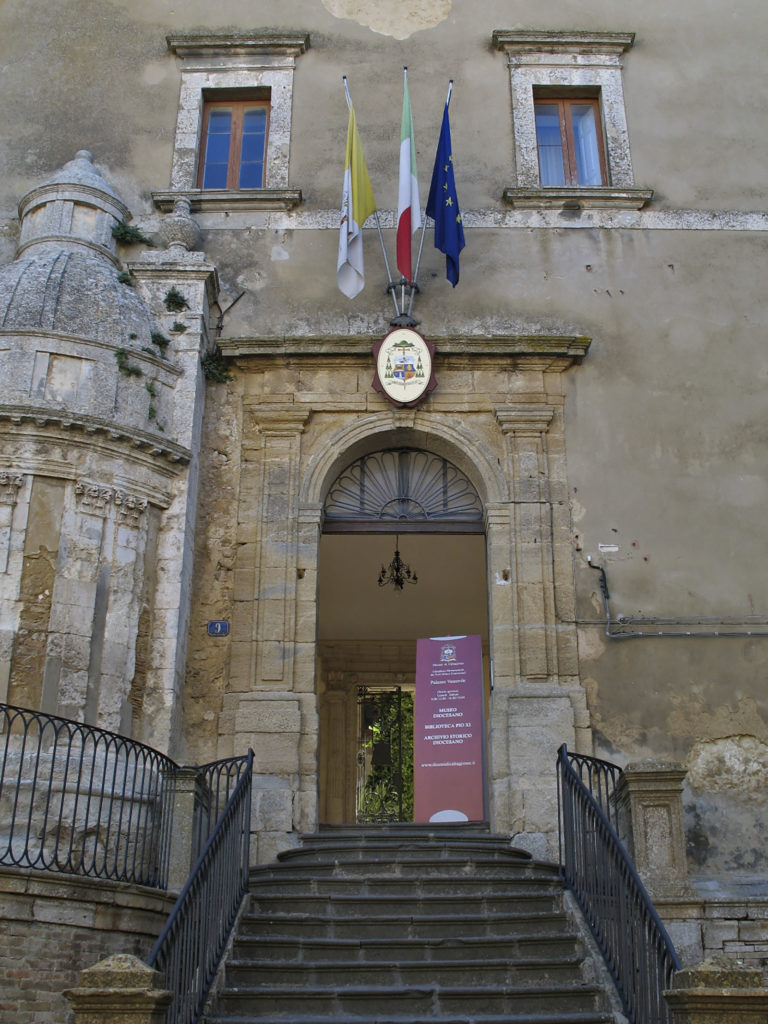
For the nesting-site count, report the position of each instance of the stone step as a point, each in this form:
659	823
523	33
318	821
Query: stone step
405	973
540	1017
415	1002
383	876
344	905
520	949
396	848
426	926
407	925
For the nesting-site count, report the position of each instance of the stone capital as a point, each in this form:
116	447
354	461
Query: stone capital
10	485
280	420
93	498
524	419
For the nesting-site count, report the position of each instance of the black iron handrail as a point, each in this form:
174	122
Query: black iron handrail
596	868
193	940
217	781
601	779
82	800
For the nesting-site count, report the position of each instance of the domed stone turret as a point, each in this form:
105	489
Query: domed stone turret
76	207
65	275
100	416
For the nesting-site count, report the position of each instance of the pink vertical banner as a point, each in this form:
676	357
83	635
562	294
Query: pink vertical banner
448	730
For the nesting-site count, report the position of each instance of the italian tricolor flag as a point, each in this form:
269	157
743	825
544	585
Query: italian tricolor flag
408	211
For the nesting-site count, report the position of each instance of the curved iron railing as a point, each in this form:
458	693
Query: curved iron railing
193	940
601	779
82	800
596	868
217	781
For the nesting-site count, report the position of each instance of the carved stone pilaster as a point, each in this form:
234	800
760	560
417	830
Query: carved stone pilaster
524	428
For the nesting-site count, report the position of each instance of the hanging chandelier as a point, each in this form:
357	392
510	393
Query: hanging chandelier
398	573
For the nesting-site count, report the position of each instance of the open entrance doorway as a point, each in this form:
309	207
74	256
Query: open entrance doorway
422	506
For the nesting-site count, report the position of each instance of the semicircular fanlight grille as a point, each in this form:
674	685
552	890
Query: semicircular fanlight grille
403	484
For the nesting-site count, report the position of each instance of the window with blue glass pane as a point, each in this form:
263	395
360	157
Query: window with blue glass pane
569	141
253	147
550	146
234	144
217	145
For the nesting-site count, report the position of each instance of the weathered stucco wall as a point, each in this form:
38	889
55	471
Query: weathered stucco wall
663	423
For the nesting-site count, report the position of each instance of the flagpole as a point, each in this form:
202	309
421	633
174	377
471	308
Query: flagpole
403	282
391	288
424	225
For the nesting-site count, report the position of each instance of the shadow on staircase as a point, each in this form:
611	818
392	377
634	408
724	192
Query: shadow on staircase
409	923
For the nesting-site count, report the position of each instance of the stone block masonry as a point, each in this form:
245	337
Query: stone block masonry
54	926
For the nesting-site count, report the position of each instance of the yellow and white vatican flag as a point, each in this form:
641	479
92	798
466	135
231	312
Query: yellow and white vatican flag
357	204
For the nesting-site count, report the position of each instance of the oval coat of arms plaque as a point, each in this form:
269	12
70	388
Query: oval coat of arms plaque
404	370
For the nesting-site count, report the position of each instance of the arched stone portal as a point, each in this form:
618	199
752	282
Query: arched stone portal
497	417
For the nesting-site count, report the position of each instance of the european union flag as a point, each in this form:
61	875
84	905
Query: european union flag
443	204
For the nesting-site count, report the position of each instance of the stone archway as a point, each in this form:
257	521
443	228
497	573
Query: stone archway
514	455
421	503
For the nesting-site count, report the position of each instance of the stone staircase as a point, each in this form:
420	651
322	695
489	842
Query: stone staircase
403	924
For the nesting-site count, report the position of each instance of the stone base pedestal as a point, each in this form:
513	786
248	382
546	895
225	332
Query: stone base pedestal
119	990
718	991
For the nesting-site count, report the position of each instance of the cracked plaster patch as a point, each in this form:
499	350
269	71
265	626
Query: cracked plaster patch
396	18
731	764
690	714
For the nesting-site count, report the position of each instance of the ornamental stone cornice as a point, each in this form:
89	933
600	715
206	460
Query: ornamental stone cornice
212	200
577	198
288	45
554	352
71	242
56	420
514	42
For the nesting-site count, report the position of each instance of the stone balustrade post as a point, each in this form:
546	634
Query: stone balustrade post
718	991
187	806
651	811
119	990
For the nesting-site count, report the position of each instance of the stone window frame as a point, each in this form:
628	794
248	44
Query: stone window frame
563	61
234	62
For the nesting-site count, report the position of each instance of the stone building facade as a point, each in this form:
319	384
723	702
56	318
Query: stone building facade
174	417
